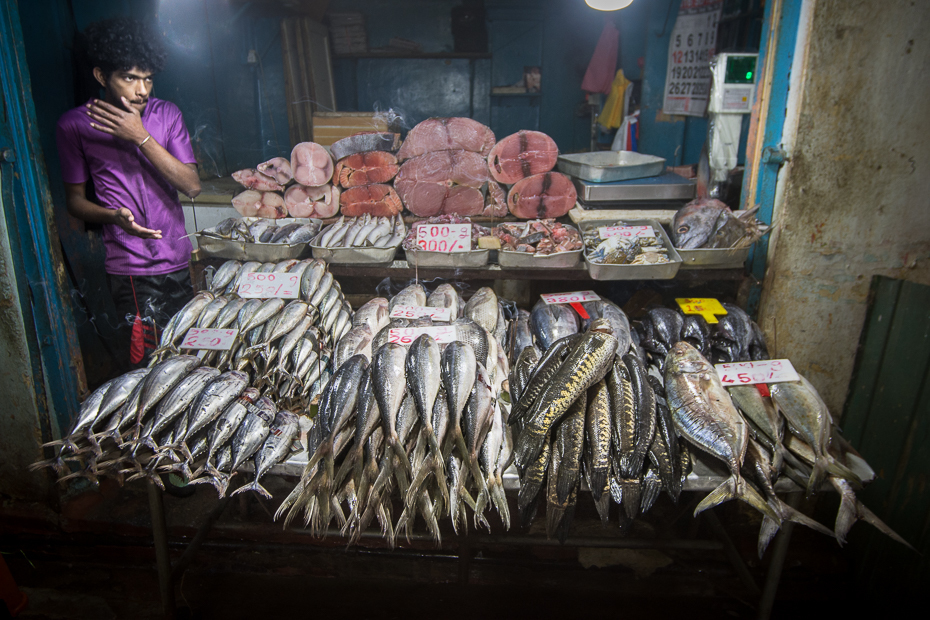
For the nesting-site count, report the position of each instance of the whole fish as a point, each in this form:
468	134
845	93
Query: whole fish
210	312
389	382
565	470
542	375
635	434
466	330
664	452
178	400
161	379
445	296
483	309
211	402
703	413
117	394
183	320
413	295
521	335
228	423
667	326
696	332
552	322
310	279
276	447
597	427
247	267
328	232
356	341
322	288
619	323
522	371
224	275
707	223
247	440
733	335
374	313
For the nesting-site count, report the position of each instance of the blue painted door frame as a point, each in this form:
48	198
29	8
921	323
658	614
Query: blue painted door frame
779	37
57	366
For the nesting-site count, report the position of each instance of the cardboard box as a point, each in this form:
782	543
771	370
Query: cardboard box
328	127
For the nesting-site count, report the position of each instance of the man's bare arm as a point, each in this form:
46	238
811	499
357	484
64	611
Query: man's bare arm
127	125
83	209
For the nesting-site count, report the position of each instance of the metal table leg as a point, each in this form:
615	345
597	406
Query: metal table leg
779	551
162	559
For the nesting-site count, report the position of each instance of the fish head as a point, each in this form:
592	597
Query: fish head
696	222
685	359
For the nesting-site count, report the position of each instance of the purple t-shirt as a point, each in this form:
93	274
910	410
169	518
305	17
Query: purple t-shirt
123	177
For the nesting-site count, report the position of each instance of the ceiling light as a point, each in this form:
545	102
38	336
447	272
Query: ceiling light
608	5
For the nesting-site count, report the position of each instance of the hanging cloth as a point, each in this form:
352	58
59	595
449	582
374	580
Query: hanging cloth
600	73
143	332
612	114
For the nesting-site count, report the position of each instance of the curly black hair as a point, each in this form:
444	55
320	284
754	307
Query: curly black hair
121	43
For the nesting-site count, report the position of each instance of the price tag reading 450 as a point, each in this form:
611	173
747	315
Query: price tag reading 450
214	339
749	373
415	312
570	298
633	232
442	334
266	285
444	237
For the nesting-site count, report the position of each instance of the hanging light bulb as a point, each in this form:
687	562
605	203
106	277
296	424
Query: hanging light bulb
608	5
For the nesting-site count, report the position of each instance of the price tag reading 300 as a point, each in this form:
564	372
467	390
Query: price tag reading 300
569	298
750	373
442	334
633	232
415	312
444	237
213	339
267	285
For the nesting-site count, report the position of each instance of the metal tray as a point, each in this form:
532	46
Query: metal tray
713	258
664	271
665	187
606	166
263	252
475	258
559	260
355	256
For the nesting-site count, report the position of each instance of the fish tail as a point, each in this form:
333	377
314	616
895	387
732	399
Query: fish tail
500	502
56	463
631	496
787	513
337	511
221	483
767	532
288	502
598	483
53	444
736	488
869	517
554	516
835	468
602	504
817	476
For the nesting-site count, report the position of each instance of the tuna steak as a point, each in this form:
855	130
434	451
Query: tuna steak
304	201
250	178
278	168
365	141
376	200
443	182
550	194
311	164
365	169
252	203
447	134
522	154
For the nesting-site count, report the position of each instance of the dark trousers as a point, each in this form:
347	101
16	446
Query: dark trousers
156	298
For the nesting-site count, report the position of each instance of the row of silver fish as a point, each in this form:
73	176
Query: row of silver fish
362	232
177	416
421	421
263	230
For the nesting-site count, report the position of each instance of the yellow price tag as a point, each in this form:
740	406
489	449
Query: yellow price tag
707	307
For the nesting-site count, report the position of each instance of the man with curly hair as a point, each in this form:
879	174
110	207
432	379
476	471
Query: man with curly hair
136	153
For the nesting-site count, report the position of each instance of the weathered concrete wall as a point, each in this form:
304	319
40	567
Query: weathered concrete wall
857	186
19	414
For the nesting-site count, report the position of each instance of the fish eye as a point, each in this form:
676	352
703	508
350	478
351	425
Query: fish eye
683	229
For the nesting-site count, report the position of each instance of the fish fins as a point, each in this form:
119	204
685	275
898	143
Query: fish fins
767	532
602	505
631	491
736	488
252	486
852	510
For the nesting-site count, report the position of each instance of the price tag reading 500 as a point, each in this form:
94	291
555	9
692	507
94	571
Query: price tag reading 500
266	285
442	334
444	237
605	232
749	373
569	298
213	339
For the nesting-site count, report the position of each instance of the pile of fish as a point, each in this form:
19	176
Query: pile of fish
709	223
477	230
620	250
362	232
411	418
540	237
178	416
263	230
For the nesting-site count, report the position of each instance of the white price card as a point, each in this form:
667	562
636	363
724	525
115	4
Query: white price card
214	339
749	373
415	312
443	334
633	232
267	285
570	298
444	237
692	44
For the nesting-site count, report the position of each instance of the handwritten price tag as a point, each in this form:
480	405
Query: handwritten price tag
444	237
569	298
415	312
214	339
265	285
442	334
707	307
633	232
749	373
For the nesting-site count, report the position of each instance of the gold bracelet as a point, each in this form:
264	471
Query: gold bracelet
144	141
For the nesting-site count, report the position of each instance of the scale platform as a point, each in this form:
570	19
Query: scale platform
665	191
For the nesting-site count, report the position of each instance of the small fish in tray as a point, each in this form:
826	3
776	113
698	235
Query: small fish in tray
619	250
540	237
477	230
362	232
263	230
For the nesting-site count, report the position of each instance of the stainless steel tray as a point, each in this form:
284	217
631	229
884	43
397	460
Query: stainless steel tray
664	271
355	256
713	258
475	258
666	187
605	166
263	252
559	260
